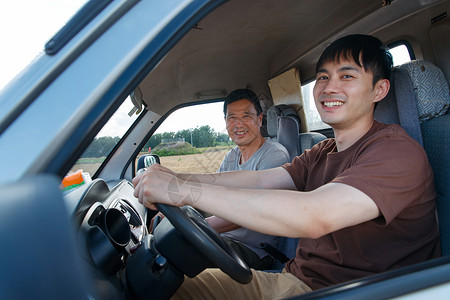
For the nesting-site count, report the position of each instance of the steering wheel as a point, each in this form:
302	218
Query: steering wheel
193	226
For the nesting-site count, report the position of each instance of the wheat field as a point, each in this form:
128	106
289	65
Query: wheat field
206	162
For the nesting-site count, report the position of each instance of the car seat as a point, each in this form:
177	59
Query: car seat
283	125
423	113
433	99
404	112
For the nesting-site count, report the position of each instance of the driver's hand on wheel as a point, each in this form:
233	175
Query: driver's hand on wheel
158	184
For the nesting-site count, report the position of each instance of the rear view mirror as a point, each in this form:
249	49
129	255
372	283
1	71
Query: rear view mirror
147	160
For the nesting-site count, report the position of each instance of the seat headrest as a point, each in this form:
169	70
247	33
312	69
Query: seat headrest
430	87
400	105
274	112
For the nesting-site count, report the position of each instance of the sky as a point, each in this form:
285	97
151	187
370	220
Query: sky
25	27
184	118
196	116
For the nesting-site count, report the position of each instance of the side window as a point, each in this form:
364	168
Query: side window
192	139
106	139
312	115
400	54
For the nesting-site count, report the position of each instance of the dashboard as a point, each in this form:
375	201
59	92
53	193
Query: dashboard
126	261
112	225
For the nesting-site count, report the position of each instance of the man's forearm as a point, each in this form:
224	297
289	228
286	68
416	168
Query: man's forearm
276	178
236	179
286	213
272	211
250	208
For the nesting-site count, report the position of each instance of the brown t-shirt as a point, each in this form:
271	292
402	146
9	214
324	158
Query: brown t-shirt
393	170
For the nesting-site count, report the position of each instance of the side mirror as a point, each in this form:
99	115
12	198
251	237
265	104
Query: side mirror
147	160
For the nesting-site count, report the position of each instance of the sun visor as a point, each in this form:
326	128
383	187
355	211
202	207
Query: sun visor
286	88
136	99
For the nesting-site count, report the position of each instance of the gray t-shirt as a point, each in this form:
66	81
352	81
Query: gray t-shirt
270	155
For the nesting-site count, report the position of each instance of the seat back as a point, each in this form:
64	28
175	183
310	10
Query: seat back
309	139
276	111
288	135
436	139
286	245
418	101
433	99
283	125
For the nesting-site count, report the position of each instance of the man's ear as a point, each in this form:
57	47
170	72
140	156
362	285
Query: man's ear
381	89
260	119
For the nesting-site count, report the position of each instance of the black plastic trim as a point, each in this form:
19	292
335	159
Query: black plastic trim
439	17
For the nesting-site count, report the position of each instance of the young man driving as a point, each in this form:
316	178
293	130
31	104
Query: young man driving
361	203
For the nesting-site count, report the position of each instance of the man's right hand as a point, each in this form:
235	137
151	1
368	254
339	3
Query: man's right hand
158	184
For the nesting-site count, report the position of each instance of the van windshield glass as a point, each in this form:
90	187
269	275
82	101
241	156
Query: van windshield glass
106	139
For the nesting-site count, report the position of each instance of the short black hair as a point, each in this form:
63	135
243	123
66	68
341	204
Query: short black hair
240	94
374	55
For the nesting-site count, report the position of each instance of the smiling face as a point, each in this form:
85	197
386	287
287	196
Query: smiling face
345	95
243	123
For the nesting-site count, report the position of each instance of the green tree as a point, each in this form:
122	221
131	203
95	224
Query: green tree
186	134
152	142
203	136
167	135
222	138
199	137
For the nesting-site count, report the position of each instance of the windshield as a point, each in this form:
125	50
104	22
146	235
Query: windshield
106	139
